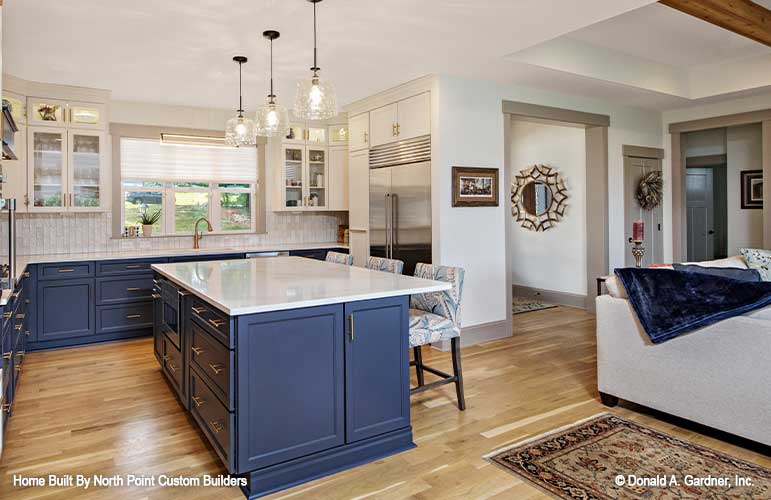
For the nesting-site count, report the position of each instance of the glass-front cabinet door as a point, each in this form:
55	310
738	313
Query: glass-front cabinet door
317	178
293	161
316	135
49	112
296	133
46	154
86	115
86	162
338	135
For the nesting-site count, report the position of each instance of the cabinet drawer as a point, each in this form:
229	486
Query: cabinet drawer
213	321
172	364
114	268
214	361
128	317
123	290
66	270
213	418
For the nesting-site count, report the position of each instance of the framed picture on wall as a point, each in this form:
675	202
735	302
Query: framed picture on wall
752	188
474	187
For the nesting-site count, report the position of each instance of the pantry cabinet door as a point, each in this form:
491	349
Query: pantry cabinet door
358	127
414	117
382	125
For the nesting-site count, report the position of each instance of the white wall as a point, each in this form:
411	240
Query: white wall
470	132
554	259
744	152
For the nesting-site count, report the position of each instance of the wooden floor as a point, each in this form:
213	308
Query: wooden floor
106	409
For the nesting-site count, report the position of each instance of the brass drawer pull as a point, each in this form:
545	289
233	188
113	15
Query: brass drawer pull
198	401
66	270
133	266
26	332
197	350
166	358
6	407
20	316
217	369
26	274
183	293
217	427
172	368
7	355
198	310
134	289
133	316
18	327
350	321
7	315
156	296
15	295
216	323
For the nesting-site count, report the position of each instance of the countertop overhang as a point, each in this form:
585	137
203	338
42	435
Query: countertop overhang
250	286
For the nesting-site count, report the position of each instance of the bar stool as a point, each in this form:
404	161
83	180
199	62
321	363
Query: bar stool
340	258
387	265
435	317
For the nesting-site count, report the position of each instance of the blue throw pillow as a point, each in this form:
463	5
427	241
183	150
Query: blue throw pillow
722	272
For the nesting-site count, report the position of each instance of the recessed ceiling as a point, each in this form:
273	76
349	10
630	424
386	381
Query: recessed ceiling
179	51
658	49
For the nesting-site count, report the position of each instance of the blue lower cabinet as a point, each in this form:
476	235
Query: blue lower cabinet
290	385
376	367
65	309
124	290
203	258
124	317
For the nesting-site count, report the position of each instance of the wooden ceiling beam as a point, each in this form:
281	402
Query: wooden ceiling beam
742	17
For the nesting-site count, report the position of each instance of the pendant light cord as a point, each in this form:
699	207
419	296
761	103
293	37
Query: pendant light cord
315	67
240	96
271	95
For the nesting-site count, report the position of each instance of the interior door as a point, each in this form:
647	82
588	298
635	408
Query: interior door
700	208
382	125
634	170
414	116
379	211
411	214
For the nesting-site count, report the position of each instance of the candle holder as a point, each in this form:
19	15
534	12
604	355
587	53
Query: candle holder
638	251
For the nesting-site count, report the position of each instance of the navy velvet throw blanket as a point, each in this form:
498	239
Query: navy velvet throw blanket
670	303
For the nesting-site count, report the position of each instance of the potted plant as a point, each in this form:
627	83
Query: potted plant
147	220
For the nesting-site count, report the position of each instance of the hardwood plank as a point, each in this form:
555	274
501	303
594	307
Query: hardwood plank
107	409
743	17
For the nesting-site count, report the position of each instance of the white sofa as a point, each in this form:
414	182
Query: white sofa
719	376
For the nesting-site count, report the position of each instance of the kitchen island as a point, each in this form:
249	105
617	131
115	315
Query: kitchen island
293	368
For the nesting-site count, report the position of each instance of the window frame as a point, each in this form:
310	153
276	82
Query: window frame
258	201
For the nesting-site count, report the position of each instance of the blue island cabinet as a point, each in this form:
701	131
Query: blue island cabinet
288	396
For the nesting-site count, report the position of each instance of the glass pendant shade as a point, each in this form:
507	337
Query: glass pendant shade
240	131
272	119
316	99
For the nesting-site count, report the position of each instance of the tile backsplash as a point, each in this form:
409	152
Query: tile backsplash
74	233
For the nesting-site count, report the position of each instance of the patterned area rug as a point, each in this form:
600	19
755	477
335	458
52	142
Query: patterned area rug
522	305
608	457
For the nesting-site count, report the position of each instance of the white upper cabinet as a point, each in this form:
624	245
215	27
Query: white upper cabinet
358	127
85	172
382	125
86	115
47	112
338	178
414	117
402	120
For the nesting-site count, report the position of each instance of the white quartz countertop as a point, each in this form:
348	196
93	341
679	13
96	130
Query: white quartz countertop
278	283
22	261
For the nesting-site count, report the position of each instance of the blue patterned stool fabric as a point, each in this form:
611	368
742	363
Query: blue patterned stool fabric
386	265
340	258
436	316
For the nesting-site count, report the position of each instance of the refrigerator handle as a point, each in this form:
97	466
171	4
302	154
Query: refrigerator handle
394	223
387	226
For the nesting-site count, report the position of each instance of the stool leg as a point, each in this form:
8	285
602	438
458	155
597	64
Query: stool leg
418	364
457	371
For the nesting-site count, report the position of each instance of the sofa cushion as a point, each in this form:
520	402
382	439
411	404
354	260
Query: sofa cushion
759	259
723	272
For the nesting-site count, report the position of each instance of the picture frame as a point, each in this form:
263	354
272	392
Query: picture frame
752	189
474	187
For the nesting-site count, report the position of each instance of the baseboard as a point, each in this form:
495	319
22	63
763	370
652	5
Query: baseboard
477	334
552	296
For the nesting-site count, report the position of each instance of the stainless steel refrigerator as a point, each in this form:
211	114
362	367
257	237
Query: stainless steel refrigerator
400	202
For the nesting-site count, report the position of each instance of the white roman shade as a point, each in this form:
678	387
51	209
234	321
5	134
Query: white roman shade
148	159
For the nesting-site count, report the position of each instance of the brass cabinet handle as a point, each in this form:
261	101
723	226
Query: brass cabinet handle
198	401
172	367
26	274
7	355
66	270
350	326
215	368
133	266
366	137
393	129
216	426
71	204
17	327
133	316
198	310
197	350
20	315
216	323
183	293
398	129
6	407
156	296
7	315
133	289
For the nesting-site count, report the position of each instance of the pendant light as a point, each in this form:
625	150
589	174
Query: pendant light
272	119
239	131
316	98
